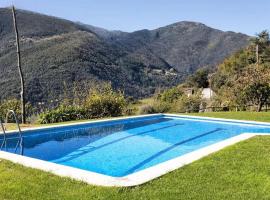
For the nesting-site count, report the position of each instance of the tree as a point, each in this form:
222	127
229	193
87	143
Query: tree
254	86
262	45
199	79
244	77
171	94
19	66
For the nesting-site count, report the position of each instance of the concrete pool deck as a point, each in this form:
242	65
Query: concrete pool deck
136	178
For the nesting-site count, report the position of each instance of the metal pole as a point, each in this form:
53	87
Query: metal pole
19	66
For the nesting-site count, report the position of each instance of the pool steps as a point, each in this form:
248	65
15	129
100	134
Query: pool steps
20	138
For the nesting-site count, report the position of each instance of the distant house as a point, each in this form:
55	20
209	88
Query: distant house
207	93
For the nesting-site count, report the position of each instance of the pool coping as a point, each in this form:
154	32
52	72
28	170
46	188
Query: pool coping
83	122
136	178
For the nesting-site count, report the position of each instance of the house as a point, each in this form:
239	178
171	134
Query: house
207	93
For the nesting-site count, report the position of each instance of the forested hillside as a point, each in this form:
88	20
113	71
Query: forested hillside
59	56
240	82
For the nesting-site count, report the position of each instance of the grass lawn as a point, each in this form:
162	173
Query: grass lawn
241	171
237	172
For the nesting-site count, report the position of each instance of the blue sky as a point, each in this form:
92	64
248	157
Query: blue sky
247	16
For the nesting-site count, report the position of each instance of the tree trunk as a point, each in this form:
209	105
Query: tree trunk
19	66
259	108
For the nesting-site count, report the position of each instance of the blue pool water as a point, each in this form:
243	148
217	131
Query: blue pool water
121	147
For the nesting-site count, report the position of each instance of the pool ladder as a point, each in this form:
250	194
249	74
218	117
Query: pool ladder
20	138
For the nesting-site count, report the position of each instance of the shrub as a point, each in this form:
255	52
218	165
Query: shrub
156	107
104	103
161	107
130	110
62	114
188	104
171	95
146	109
99	103
14	104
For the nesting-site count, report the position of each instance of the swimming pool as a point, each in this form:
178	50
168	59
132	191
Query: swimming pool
114	150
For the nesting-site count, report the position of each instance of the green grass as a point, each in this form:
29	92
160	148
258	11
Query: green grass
237	172
254	116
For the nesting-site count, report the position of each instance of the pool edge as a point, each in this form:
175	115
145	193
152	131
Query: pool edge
85	122
217	119
134	179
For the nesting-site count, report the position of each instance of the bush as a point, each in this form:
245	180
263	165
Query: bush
171	95
14	104
146	109
188	104
161	107
130	110
104	103
62	114
156	107
99	103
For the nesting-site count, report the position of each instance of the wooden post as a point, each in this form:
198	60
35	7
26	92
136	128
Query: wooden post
257	54
19	66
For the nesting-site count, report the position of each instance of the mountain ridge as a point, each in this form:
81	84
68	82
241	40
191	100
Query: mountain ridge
58	53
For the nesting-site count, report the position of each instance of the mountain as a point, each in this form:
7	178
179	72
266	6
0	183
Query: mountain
185	46
58	54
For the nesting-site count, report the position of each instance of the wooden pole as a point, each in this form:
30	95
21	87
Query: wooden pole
257	54
19	66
